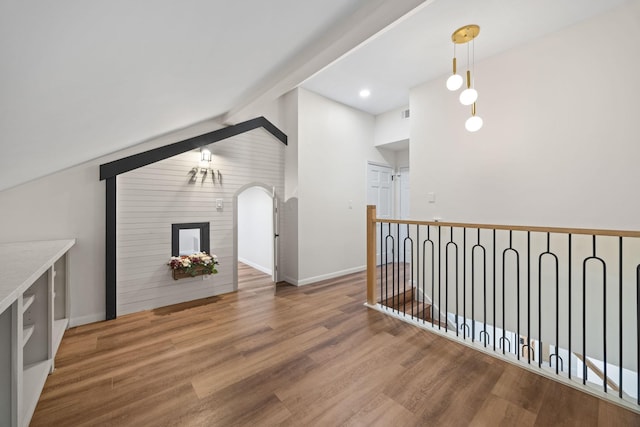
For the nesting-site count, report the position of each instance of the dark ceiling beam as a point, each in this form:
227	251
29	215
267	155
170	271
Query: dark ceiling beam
126	164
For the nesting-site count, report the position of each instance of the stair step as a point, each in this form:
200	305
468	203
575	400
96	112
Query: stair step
397	300
404	302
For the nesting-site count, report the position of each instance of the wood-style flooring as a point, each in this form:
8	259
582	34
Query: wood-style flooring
281	355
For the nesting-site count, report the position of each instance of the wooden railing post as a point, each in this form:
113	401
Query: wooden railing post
372	298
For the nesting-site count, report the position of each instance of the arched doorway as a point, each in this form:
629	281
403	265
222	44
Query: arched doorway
255	233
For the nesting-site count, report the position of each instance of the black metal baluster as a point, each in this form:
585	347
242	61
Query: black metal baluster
558	357
518	311
393	268
464	282
494	289
439	272
424	274
397	259
404	259
528	345
604	313
620	317
417	265
540	306
584	322
569	304
484	284
604	317
446	299
540	258
381	264
504	273
383	253
529	296
484	290
457	291
473	291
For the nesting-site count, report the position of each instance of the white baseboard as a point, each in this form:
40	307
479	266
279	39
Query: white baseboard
322	277
290	280
256	266
83	320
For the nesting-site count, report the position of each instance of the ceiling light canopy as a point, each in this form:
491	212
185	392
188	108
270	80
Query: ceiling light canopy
365	93
469	96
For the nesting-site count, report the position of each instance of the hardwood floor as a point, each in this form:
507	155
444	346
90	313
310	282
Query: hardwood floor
250	278
281	355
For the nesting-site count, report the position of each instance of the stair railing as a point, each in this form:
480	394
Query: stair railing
515	292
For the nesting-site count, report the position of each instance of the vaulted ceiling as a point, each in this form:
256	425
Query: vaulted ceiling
81	79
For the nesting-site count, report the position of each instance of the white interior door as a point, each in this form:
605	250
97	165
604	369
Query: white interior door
380	194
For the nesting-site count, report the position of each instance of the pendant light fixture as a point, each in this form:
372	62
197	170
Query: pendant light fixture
469	96
454	82
474	122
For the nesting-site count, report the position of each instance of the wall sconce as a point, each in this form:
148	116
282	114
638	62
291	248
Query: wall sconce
205	155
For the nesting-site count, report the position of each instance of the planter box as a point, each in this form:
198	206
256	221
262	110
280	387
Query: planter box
198	271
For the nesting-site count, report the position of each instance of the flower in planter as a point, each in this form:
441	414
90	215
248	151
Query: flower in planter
200	262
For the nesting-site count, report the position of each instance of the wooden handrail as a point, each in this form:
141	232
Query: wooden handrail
587	231
598	372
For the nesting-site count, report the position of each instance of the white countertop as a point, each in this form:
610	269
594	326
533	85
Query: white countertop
23	263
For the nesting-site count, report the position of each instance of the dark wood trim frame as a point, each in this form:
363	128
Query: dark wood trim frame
204	236
109	172
136	161
110	239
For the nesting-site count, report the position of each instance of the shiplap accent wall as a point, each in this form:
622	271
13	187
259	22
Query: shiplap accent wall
152	198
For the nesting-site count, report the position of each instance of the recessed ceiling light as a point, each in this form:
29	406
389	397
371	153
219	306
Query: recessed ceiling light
364	93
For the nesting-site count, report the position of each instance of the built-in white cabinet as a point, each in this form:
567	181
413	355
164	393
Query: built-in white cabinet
34	308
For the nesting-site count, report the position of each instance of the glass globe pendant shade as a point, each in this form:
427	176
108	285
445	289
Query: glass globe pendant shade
454	82
468	96
473	123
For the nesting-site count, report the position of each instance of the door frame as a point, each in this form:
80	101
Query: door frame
392	204
270	190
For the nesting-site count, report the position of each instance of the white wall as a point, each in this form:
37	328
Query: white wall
403	160
71	204
152	198
559	148
391	126
255	229
335	143
559	145
289	212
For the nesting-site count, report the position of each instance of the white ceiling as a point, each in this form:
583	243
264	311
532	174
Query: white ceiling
81	79
419	48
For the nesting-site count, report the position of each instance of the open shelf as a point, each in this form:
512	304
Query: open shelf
27	301
33	379
27	332
59	326
34	308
